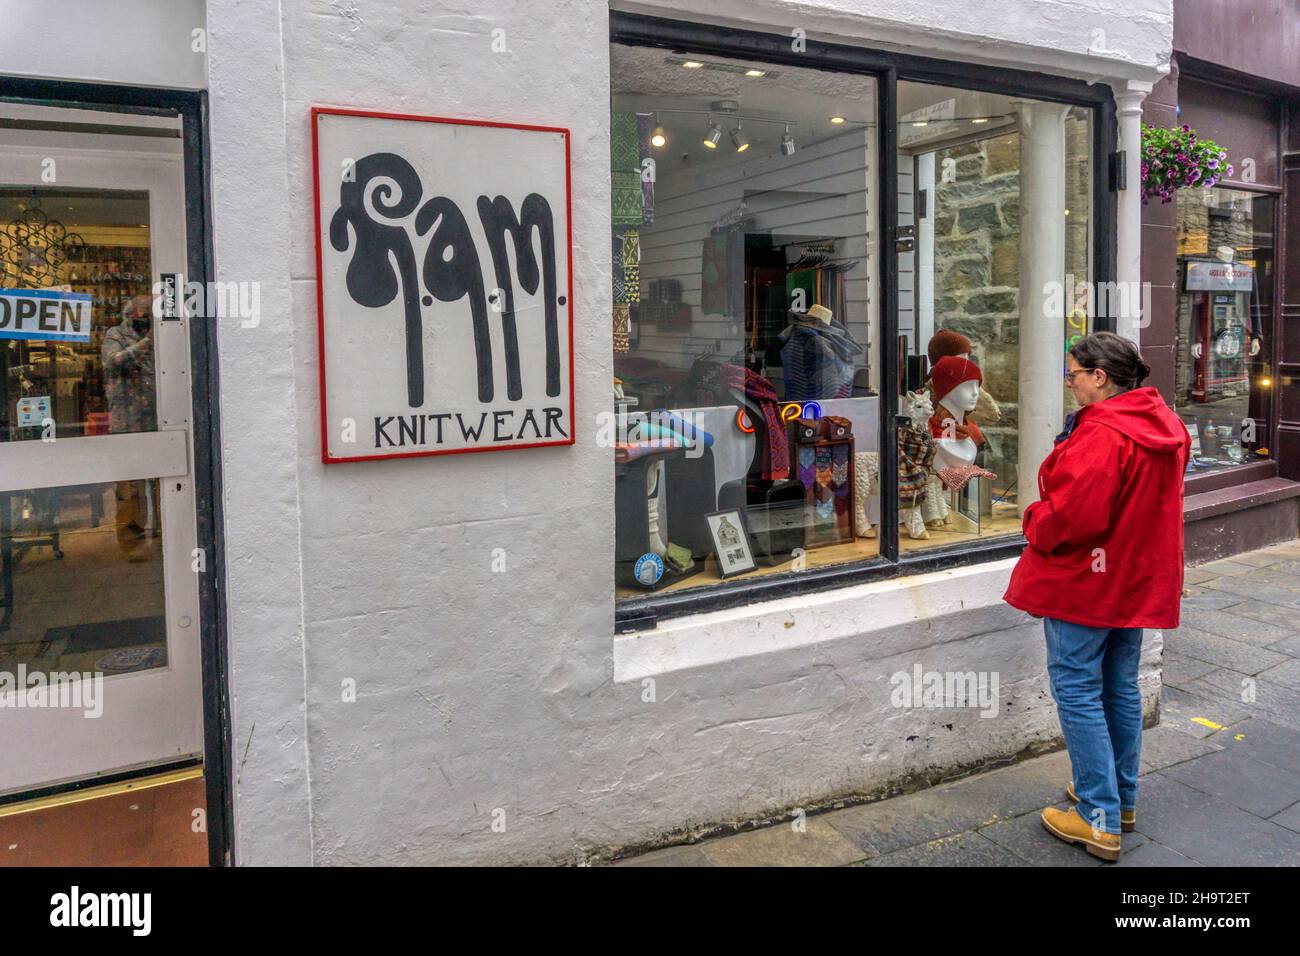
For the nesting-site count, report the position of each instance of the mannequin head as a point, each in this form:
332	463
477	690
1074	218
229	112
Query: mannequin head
963	398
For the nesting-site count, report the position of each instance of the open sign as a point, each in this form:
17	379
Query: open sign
789	412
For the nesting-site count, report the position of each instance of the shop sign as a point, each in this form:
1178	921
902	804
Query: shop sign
46	314
1213	275
444	285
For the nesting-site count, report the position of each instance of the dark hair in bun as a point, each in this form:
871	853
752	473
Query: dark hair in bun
1117	355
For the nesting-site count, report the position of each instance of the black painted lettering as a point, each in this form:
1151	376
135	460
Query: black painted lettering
554	415
406	428
26	310
468	433
440	418
379	431
529	417
48	318
499	419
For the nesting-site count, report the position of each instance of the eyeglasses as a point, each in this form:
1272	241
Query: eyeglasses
1069	376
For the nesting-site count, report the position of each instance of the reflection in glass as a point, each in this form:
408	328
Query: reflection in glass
96	243
81	579
1222	382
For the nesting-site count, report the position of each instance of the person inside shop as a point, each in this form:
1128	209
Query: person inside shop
128	357
1104	561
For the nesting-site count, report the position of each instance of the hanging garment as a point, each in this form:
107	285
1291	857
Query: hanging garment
644	127
760	392
622	327
632	265
620	279
818	360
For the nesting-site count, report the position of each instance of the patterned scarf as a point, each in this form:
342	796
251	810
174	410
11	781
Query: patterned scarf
760	391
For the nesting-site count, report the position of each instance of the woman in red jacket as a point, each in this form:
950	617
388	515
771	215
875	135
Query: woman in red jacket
1104	561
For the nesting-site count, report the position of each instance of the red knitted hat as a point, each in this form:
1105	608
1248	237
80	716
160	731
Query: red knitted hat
947	342
950	371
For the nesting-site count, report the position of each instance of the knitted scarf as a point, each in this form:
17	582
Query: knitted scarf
760	391
967	430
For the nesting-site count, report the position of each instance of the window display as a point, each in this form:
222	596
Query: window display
1222	381
745	318
962	319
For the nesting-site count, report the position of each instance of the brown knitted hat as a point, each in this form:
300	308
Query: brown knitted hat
947	342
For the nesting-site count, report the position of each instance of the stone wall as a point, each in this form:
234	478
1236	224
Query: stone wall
977	264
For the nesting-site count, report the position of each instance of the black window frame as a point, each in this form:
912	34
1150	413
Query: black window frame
887	69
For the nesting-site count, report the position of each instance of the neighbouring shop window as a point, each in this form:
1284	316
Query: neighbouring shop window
983	363
745	257
1223	379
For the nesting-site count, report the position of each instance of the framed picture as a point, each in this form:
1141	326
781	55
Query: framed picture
730	543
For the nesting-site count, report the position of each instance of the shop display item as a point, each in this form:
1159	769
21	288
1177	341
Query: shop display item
915	455
818	356
731	543
945	343
825	469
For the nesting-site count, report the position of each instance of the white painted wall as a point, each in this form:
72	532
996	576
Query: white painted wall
482	691
133	42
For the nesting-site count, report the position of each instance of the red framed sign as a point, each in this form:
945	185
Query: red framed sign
444	285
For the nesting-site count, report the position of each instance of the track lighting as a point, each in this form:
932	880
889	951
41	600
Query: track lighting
739	140
658	138
713	135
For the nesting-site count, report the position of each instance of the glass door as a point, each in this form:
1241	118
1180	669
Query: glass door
99	615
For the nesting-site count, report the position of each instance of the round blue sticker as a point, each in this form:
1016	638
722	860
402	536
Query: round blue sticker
649	568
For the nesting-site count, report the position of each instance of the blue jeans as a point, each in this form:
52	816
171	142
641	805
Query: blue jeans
1094	678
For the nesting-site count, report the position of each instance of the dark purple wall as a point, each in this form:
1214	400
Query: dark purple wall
1257	37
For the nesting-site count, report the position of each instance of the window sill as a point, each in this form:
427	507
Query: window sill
801	620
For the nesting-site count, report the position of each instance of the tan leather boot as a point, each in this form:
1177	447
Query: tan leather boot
1128	819
1067	825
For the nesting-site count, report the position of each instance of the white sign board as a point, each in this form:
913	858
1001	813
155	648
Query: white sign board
46	314
1213	275
445	290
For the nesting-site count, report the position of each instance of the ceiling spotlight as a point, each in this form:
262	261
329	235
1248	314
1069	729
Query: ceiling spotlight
979	119
787	142
713	135
692	64
837	120
658	138
738	138
756	72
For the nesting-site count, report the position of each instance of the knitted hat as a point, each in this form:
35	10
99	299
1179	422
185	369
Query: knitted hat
950	371
947	342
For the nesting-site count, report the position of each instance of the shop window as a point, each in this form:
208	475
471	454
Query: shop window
1222	378
745	319
983	362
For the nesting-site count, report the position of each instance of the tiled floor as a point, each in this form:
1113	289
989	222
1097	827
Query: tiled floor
149	826
1220	775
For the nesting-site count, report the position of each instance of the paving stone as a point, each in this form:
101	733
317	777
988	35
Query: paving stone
1026	837
1019	789
1185	710
1165	745
1265	740
1274	576
1288	673
1271	594
1286	618
1213	649
891	825
782	845
1233	626
1258	559
670	856
1225	568
1273	701
1197	575
1151	853
1289	818
1233	775
1209	830
1288	645
1210	599
1177	669
961	849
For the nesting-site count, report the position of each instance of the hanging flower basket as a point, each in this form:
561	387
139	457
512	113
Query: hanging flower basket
1174	159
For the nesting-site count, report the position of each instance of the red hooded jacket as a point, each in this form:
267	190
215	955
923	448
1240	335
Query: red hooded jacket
1106	535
